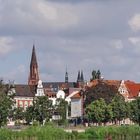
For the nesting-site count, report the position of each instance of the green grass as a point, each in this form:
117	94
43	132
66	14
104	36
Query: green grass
35	133
51	132
115	132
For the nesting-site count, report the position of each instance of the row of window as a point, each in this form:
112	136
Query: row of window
24	103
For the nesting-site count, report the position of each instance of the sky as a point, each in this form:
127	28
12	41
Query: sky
74	34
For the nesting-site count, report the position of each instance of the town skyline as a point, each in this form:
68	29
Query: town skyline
79	35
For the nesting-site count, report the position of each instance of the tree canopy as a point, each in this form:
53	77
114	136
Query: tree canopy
101	90
6	103
135	110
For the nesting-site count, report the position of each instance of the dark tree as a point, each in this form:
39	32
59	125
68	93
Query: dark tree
93	75
18	114
96	75
30	114
101	90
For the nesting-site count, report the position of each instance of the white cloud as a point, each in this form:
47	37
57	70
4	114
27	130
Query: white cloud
134	22
118	44
57	15
36	16
6	45
134	40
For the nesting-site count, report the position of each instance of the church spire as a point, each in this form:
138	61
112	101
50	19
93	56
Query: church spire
33	58
34	75
78	77
66	77
82	76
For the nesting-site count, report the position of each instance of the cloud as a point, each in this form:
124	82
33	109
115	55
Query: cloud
6	45
117	44
134	22
79	34
16	74
134	40
35	17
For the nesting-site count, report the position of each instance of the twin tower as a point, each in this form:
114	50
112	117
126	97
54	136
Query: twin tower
34	72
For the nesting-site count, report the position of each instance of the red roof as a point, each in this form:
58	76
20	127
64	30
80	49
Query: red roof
133	88
77	95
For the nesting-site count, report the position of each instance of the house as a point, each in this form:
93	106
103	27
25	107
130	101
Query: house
129	90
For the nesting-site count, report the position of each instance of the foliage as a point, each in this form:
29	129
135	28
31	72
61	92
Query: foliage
116	132
35	133
108	113
96	75
18	113
6	103
100	112
135	110
61	108
118	108
101	90
54	133
42	109
29	114
96	111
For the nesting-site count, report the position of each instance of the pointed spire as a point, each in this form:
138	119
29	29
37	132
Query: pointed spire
82	76
66	76
34	74
78	77
33	58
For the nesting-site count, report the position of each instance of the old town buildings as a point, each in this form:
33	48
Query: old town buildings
70	91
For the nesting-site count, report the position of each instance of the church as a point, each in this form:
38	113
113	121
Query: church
70	91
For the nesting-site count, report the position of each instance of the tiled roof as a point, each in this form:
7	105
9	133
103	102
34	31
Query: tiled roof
25	90
133	88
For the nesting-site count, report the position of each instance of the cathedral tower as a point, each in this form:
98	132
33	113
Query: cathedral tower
34	74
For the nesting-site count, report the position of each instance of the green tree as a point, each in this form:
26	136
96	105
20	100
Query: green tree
6	103
61	108
42	109
127	110
29	114
135	110
108	113
96	111
18	114
118	107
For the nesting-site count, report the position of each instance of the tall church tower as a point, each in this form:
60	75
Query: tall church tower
34	74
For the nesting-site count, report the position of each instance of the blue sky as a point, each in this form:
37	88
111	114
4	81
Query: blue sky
77	34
